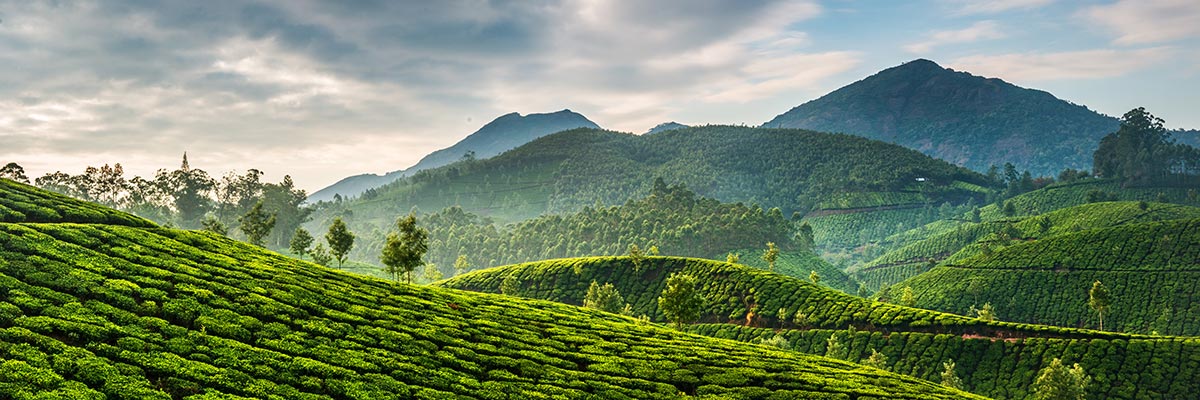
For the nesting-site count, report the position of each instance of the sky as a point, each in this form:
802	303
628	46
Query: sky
321	90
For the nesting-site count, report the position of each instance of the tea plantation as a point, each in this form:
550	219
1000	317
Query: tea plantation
90	310
1150	268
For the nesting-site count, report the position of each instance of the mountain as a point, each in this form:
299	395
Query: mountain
92	310
966	119
1150	268
793	170
665	126
995	359
502	134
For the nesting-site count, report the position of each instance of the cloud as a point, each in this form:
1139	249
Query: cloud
1087	64
982	30
1147	21
323	89
970	7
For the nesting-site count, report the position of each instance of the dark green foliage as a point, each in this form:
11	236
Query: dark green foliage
679	302
1147	267
1057	382
13	171
301	242
340	241
1142	152
24	203
800	264
256	224
954	115
214	225
1099	300
403	252
1006	367
604	298
672	219
793	170
101	311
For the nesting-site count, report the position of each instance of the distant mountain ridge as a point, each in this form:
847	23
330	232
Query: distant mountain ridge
502	134
665	126
968	120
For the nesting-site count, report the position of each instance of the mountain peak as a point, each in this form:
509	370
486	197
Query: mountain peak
966	119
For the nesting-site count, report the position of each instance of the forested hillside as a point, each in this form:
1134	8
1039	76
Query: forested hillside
1149	268
113	311
671	220
793	170
969	120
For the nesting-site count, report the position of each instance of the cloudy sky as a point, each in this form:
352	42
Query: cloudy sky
325	89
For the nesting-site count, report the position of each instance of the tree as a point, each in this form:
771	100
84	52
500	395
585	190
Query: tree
1057	382
301	241
1099	300
1140	151
987	313
190	189
509	286
214	225
285	200
877	360
14	172
833	347
804	237
321	255
430	273
340	241
812	276
950	378
907	297
733	258
680	302
461	265
770	255
636	256
404	251
604	298
256	224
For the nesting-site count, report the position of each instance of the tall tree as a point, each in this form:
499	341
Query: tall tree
190	188
340	240
950	377
1140	151
907	297
1057	382
637	257
461	265
771	254
257	224
403	252
285	200
14	172
301	241
680	302
1099	300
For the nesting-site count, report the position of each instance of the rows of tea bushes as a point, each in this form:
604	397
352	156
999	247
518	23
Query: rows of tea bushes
1063	195
801	264
1151	270
734	294
101	311
968	239
1139	368
24	203
846	230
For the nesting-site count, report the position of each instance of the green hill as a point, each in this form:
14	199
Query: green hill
968	120
794	170
24	203
799	264
91	310
1151	269
995	359
1005	368
671	219
967	238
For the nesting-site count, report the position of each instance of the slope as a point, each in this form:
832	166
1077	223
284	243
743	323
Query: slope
565	172
968	238
24	203
109	311
995	359
502	134
969	120
1151	268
